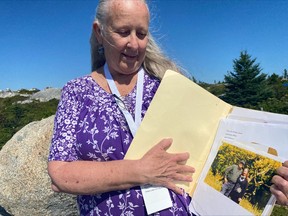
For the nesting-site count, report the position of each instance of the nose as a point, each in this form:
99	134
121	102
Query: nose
133	42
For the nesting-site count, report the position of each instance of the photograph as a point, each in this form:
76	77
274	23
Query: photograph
242	176
104	103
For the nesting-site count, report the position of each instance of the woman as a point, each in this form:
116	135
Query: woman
98	115
240	187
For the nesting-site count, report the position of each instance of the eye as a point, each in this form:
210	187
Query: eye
123	33
141	35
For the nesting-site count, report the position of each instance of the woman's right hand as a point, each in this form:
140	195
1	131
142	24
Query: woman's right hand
280	184
164	169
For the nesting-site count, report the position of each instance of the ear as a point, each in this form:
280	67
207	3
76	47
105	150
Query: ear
97	31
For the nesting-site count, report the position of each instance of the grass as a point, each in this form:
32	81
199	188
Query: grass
279	211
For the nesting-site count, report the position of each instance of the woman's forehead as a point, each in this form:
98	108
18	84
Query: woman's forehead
128	12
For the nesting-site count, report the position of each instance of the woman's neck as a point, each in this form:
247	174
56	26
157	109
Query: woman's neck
124	79
124	82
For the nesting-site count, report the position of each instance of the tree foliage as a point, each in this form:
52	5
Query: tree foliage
249	90
285	74
278	103
246	86
14	116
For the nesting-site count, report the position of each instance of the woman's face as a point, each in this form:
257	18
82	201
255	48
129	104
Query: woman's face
125	38
245	172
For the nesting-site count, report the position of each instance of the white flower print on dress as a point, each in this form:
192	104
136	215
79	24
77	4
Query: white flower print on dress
90	126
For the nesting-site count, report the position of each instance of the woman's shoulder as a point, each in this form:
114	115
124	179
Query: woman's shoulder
79	84
78	87
79	81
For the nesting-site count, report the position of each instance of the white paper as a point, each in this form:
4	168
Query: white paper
257	116
256	131
260	136
156	198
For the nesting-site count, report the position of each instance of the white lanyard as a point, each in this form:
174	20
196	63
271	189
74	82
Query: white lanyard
151	194
133	125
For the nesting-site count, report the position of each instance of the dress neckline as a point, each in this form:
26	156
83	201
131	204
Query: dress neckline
94	82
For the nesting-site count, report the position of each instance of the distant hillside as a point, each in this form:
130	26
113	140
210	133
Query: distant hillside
18	108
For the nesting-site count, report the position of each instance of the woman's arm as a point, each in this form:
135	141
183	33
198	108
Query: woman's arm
156	167
280	184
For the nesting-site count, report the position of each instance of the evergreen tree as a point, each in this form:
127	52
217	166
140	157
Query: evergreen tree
194	79
246	86
285	74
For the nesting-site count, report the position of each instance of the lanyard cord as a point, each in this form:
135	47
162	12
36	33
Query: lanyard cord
133	125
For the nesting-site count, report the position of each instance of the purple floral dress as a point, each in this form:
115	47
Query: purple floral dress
90	126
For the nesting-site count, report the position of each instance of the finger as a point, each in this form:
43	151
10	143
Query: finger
180	158
181	169
176	168
174	188
280	197
285	164
165	143
281	184
283	171
181	177
186	169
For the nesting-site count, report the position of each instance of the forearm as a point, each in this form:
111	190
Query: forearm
91	177
156	167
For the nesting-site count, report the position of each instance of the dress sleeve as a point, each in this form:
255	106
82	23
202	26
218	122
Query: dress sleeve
63	143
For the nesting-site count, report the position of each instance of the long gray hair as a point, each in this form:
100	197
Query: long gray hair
155	62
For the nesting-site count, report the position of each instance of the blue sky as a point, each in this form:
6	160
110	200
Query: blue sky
46	42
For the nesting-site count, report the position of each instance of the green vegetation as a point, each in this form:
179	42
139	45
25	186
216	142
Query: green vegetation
25	91
14	116
246	86
249	88
279	211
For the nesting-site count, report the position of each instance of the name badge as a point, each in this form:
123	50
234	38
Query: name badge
156	198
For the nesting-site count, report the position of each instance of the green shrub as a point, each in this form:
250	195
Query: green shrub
14	116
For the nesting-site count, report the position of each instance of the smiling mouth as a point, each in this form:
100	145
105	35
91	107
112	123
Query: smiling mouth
130	56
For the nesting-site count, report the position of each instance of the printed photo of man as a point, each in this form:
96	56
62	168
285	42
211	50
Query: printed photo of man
230	177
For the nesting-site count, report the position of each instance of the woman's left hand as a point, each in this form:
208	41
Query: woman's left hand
280	184
158	167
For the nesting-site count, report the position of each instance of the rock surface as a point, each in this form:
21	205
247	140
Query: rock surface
47	94
24	181
42	96
9	93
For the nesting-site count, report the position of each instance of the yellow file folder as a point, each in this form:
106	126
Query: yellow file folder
186	112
